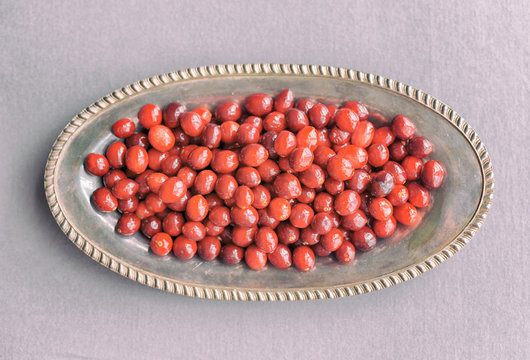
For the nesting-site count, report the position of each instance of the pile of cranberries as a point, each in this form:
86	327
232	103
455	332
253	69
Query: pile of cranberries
271	179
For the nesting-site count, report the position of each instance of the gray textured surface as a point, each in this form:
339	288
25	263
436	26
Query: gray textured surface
57	57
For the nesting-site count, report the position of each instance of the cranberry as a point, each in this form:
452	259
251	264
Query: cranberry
359	108
161	244
150	226
380	208
383	136
406	214
97	164
255	258
347	202
231	254
150	115
112	177
104	200
382	184
281	257
412	166
364	239
192	124
266	239
284	101
184	248
258	104
332	240
433	174
318	115
403	128
136	159
322	223
301	215
228	111
303	258
161	137
209	248
418	195
287	186
384	228
128	205
172	223
378	155
128	224
123	128
340	168
398	151
398	196
419	146
346	252
304	104
354	221
307	137
172	114
139	139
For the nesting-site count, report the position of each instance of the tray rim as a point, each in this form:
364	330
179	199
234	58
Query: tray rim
281	294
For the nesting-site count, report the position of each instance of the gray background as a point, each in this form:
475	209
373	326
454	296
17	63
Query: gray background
57	57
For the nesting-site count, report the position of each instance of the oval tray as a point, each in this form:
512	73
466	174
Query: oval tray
457	210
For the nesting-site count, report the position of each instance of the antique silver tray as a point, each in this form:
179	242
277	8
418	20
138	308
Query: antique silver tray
458	208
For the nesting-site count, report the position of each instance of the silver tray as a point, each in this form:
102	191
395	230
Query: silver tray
458	208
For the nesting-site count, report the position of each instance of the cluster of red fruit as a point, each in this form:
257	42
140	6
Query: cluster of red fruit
271	179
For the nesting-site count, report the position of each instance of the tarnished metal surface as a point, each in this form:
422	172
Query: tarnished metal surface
457	210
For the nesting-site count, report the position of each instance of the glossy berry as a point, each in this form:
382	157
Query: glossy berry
258	104
231	254
303	258
418	195
123	128
345	253
378	155
136	159
287	186
192	124
128	224
433	174
284	101
161	137
281	257
104	200
172	114
419	146
228	111
384	228
125	189
209	248
150	115
161	244
364	239
382	184
196	208
340	168
150	226
406	214
255	258
403	127
380	208
266	239
346	119
97	164
184	248
332	240
347	202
